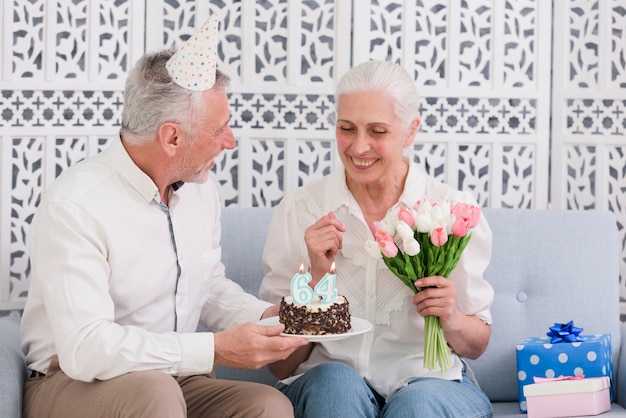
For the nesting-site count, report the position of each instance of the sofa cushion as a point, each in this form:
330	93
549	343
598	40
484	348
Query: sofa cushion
547	267
13	368
242	254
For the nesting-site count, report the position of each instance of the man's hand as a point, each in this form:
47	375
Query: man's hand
252	346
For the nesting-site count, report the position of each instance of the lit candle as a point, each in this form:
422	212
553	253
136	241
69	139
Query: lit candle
326	287
301	292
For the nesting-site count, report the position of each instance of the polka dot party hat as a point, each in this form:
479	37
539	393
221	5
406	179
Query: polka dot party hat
193	65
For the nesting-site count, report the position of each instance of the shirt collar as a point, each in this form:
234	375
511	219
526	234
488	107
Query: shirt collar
128	170
414	186
337	193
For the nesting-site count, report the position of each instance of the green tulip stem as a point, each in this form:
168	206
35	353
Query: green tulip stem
436	350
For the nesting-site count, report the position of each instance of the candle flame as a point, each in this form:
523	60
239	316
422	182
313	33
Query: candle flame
301	268
332	268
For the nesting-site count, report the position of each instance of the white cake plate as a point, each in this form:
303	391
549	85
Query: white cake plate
359	326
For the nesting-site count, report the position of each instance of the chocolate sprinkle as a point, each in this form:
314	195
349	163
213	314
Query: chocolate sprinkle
308	320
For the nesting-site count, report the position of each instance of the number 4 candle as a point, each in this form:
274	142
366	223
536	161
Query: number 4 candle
326	287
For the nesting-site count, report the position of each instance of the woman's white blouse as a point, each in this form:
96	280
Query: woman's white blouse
391	355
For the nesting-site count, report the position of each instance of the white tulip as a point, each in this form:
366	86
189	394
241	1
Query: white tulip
404	230
423	222
411	246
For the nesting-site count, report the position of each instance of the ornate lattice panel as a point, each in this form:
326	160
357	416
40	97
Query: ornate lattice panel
482	68
39	109
589	112
484	75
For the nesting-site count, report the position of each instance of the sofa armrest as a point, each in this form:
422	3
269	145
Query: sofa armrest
620	385
12	368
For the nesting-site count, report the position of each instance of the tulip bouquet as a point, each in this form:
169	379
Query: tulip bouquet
422	241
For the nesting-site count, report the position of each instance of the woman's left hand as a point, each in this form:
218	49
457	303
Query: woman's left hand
437	298
468	335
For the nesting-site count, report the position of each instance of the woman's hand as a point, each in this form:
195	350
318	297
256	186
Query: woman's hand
437	298
271	311
467	335
323	241
284	368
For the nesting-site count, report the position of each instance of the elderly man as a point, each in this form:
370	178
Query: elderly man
126	262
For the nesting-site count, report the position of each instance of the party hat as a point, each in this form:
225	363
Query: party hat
193	65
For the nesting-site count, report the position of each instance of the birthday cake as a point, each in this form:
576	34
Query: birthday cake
315	318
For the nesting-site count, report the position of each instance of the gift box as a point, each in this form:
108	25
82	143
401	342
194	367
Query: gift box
591	356
568	398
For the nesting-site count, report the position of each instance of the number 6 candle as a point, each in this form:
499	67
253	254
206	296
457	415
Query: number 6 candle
301	292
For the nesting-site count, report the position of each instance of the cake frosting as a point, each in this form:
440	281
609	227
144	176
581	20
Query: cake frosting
315	318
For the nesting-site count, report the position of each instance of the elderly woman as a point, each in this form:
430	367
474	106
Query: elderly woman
379	373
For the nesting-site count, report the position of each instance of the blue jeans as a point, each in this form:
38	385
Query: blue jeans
336	390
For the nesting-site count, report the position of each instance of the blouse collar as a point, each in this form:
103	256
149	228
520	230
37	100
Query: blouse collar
337	189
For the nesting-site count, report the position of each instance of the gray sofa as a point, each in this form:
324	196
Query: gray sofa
547	267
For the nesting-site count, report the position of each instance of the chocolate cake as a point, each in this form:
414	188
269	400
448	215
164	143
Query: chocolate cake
315	318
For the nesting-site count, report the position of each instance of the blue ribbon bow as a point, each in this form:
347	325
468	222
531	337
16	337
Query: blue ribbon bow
568	333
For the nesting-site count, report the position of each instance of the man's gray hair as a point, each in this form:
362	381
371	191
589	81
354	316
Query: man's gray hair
151	98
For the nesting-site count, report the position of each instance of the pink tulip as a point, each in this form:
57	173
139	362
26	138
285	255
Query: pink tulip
406	216
376	225
438	236
458	209
471	212
388	248
460	226
382	235
474	216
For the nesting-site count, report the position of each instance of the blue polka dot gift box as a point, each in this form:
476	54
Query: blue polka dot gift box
555	356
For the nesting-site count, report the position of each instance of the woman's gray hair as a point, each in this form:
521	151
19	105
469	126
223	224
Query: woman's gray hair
151	98
385	77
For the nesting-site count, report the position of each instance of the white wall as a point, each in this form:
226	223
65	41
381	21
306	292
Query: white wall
521	104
